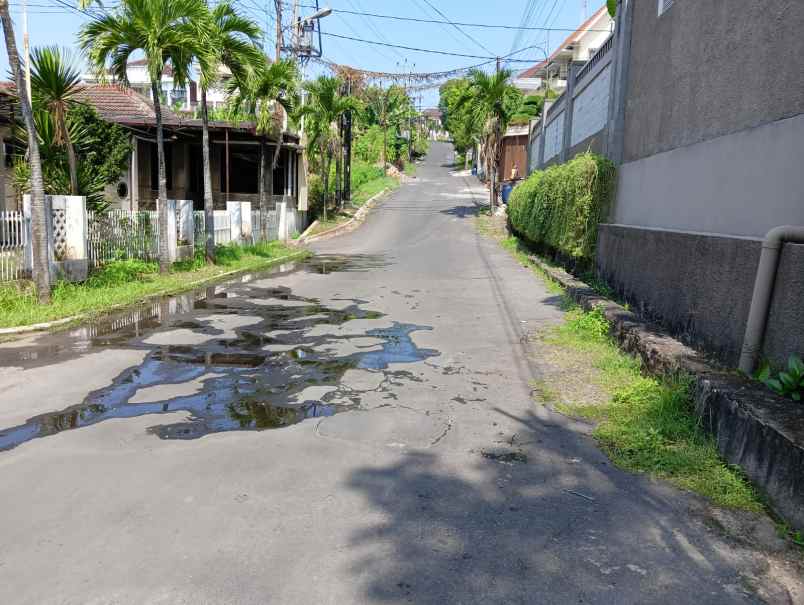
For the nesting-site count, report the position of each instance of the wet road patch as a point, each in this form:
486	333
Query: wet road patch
246	374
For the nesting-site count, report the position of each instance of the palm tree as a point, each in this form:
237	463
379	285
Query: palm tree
324	107
41	261
489	98
231	43
55	82
263	92
166	31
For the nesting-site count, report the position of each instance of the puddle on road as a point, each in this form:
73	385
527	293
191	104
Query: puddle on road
254	378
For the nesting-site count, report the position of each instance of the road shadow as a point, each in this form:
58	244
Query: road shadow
538	517
464	210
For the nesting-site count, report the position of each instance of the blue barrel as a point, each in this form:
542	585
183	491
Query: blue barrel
507	188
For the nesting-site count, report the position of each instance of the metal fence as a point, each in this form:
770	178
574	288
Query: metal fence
199	229
256	225
222	221
13	240
122	234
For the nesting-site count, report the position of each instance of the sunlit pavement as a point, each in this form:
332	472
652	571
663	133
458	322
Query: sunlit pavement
358	428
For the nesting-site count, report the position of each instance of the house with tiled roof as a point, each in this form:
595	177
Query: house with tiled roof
235	154
579	46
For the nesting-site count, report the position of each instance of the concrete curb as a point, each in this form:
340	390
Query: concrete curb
349	225
84	316
753	428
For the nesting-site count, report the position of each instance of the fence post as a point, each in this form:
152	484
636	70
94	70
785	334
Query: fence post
569	104
614	142
282	208
27	255
171	229
68	215
246	231
235	210
545	108
184	210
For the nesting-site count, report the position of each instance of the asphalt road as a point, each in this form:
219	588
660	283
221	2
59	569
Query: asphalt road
403	457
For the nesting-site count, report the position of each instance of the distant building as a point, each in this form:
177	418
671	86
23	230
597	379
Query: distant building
579	46
183	98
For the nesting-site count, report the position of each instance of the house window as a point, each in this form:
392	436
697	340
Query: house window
664	5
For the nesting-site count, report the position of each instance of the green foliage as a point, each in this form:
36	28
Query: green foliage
561	207
102	149
363	173
649	424
787	383
456	116
368	145
121	272
126	282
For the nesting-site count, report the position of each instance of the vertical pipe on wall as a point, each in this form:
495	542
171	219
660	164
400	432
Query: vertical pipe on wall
763	292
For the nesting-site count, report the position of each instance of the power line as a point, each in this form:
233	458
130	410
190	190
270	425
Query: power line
472	38
461	24
423	50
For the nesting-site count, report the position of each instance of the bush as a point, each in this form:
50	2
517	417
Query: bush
561	207
121	272
363	173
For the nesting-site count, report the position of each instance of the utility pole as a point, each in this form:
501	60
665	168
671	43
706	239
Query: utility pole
346	123
410	114
278	5
493	169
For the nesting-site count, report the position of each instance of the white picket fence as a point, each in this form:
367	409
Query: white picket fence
14	231
122	234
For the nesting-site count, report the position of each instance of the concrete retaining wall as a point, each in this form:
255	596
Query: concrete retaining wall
699	287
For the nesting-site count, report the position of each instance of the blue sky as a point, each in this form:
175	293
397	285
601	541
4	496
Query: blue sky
52	22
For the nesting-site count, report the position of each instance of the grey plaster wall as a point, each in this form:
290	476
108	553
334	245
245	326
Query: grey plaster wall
699	287
595	143
743	183
706	68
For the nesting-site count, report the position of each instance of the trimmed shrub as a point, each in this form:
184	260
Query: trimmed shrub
560	207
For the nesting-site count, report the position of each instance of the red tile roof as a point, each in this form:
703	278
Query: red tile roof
122	105
573	37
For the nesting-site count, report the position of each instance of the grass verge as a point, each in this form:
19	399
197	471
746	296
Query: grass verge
360	196
644	423
368	190
127	282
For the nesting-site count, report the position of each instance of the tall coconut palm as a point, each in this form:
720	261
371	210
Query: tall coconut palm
41	261
166	32
262	92
55	82
231	43
489	97
324	107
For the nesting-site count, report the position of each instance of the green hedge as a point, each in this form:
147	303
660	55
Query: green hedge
560	207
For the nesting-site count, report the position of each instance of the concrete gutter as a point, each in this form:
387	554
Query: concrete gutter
753	428
349	225
85	316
